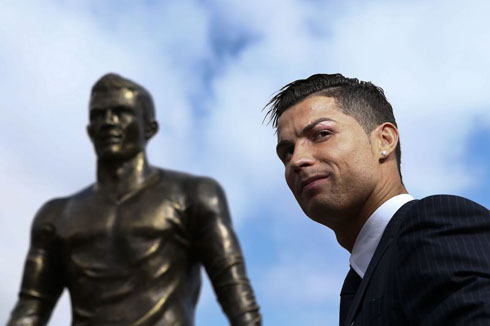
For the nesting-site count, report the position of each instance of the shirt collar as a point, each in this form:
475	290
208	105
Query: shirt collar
372	230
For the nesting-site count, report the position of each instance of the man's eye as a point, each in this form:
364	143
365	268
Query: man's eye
322	134
285	154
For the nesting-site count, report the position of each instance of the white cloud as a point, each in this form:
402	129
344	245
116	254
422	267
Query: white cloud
308	282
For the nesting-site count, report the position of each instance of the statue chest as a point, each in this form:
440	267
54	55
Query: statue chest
104	234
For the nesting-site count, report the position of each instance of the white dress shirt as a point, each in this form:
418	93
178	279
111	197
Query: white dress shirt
372	230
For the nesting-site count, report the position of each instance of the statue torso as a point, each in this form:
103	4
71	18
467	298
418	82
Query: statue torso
129	261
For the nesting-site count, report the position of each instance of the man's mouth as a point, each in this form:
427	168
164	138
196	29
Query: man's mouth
310	182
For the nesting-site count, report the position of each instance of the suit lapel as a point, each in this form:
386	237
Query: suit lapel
384	244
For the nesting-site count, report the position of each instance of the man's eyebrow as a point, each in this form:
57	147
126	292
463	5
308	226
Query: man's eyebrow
312	125
283	144
306	129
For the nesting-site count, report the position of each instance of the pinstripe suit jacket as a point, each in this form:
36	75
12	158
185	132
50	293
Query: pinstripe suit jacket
431	267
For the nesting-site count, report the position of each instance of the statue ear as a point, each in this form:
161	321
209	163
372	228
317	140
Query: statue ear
151	129
90	132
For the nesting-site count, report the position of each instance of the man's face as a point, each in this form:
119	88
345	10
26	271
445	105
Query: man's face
330	165
116	125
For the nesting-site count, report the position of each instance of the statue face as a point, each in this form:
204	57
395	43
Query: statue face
116	125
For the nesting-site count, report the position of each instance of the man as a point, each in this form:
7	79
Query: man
413	262
129	247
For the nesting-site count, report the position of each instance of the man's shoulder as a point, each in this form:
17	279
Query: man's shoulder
446	199
442	243
438	212
446	204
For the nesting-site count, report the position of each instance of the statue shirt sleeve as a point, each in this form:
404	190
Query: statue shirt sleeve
218	249
42	281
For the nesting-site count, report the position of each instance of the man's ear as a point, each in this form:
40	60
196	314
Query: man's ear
151	129
387	138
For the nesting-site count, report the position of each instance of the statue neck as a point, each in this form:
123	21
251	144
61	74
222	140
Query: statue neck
121	177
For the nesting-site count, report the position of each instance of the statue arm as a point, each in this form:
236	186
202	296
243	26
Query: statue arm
42	281
219	250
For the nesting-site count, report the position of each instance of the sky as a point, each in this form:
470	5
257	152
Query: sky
211	66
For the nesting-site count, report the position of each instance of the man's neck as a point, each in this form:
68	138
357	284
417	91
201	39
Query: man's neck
347	235
121	177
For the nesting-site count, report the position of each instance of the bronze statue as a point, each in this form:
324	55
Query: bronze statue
129	247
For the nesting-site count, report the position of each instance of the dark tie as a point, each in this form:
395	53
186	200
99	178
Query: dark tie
349	289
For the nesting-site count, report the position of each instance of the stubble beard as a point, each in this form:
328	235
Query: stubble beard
337	206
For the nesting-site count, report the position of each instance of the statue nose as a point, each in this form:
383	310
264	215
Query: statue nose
110	117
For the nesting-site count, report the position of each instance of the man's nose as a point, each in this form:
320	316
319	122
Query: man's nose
302	156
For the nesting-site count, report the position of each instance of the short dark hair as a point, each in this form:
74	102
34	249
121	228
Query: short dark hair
362	100
113	81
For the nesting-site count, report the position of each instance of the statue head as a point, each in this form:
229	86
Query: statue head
122	118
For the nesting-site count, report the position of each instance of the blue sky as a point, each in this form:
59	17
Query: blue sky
211	67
